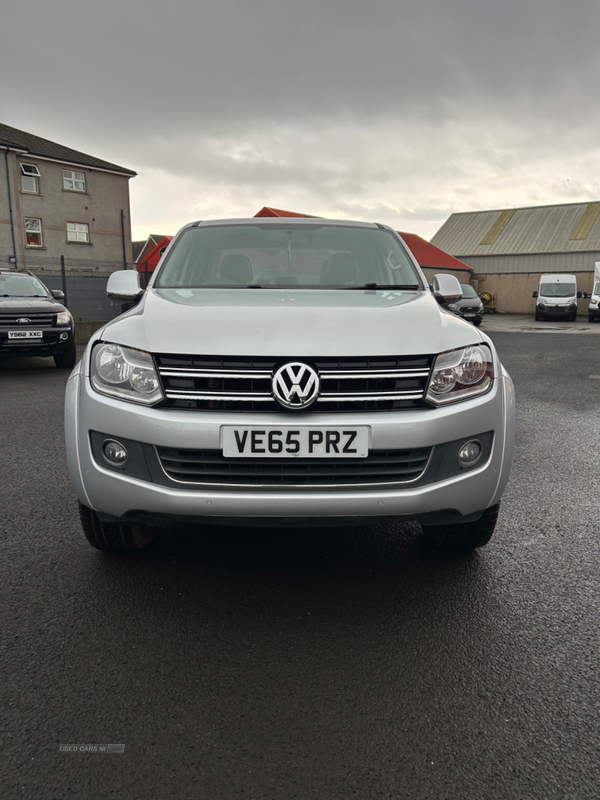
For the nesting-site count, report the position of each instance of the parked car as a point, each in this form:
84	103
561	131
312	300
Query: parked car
289	373
556	297
32	321
468	306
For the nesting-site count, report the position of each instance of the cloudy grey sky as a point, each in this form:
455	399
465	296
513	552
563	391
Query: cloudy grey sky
397	111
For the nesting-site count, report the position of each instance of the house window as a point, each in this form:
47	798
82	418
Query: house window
74	181
78	232
33	232
30	178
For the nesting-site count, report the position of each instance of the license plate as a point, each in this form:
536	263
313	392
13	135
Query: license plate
469	315
25	334
287	441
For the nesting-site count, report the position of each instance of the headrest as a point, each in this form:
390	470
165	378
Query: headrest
237	268
342	270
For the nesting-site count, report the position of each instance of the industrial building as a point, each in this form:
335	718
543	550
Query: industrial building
509	249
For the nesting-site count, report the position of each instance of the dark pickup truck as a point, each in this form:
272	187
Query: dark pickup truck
32	321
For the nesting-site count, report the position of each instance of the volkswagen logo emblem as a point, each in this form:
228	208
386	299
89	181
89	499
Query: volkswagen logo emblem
23	320
296	385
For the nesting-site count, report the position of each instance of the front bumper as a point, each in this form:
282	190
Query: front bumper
557	312
470	316
117	495
49	345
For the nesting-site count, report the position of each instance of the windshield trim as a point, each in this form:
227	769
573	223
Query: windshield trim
311	287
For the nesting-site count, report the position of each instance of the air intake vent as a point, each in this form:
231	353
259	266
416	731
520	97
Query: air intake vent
203	467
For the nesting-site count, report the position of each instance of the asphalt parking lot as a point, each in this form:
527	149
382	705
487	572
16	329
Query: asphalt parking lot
526	323
328	663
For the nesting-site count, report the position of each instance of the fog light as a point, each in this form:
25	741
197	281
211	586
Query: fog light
114	452
470	453
64	336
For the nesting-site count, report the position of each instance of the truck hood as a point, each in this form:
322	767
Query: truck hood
557	301
29	305
470	302
288	322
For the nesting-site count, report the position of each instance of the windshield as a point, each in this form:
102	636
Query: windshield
21	286
279	256
597	288
557	289
468	292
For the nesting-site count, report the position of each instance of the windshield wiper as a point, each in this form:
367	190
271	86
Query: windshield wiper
216	286
24	296
382	286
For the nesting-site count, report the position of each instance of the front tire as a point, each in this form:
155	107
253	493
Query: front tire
68	357
477	322
574	317
463	535
113	536
591	318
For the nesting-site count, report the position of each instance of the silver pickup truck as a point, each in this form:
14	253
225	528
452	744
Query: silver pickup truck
288	372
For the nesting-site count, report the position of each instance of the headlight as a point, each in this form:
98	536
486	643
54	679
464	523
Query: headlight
125	373
453	306
63	318
461	374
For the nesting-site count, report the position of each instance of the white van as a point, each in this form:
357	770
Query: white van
557	297
594	306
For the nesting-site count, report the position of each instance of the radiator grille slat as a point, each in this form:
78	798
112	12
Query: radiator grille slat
241	383
37	320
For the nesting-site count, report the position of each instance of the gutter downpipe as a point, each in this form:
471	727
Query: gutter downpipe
123	237
10	208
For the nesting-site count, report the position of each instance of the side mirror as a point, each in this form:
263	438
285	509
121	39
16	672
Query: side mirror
57	294
446	287
579	295
535	294
124	285
586	295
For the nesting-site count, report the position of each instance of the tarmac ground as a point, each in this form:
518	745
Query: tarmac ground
331	663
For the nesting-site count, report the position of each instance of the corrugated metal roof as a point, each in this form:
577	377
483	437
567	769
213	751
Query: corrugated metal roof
428	255
534	263
586	223
542	229
498	228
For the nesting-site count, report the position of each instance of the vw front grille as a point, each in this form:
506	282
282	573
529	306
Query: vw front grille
245	384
